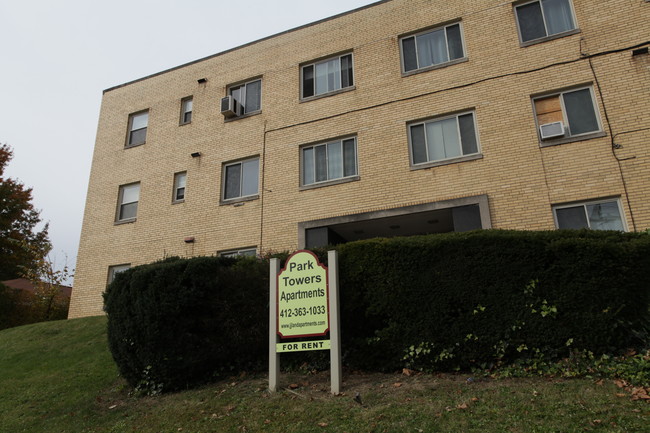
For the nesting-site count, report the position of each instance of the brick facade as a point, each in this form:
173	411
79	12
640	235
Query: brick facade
516	177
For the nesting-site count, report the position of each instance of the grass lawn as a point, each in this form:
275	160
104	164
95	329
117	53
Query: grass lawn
59	377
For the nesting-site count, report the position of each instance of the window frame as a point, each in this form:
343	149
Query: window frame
121	204
452	160
428	30
113	271
237	252
177	187
130	130
333	181
584	204
224	186
573	137
522	43
322	60
243	84
184	111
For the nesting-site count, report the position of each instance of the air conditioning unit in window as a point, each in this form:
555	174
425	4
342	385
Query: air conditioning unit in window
551	130
228	106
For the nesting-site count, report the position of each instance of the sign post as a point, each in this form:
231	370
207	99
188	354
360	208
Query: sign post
303	302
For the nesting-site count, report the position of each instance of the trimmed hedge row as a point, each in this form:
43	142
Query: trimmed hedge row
476	299
179	322
427	302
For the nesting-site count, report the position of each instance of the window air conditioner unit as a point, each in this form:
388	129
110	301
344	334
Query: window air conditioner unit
228	106
551	130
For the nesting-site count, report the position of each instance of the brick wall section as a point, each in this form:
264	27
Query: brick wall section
521	179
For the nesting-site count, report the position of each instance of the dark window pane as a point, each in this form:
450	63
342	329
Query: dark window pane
253	96
138	136
455	42
580	112
321	163
128	211
308	166
180	193
531	22
233	179
349	158
418	144
571	218
410	54
308	81
187	117
236	94
467	134
346	71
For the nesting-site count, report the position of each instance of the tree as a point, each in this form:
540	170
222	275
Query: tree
18	221
49	302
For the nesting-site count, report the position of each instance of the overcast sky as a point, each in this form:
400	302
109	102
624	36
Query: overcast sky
57	56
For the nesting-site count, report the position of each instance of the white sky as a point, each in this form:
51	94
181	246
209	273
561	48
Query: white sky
57	56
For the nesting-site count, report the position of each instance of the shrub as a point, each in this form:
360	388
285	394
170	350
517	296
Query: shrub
180	322
458	301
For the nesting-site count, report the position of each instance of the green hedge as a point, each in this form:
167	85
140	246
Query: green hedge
438	302
476	299
179	322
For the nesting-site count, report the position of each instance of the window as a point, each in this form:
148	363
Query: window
595	215
443	138
240	179
128	202
327	76
433	47
137	128
574	109
544	18
329	161
114	270
247	97
252	251
186	110
179	187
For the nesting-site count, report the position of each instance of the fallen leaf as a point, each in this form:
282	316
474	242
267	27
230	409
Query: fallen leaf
112	407
408	372
267	421
397	384
323	424
619	394
600	382
620	383
474	399
462	406
294	386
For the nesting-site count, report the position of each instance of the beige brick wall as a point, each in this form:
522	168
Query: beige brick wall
521	179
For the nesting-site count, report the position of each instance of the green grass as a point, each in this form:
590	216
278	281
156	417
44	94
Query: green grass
59	377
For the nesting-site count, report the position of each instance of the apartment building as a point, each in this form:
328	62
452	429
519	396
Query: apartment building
403	117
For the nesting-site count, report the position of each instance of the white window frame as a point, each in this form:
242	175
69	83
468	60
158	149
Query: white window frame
180	182
329	180
241	196
568	137
584	205
239	252
314	64
187	106
435	65
130	130
116	269
436	162
548	37
121	203
237	104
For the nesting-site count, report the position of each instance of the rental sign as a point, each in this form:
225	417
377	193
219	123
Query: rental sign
303	309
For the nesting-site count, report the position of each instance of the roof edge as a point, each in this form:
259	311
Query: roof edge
246	45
